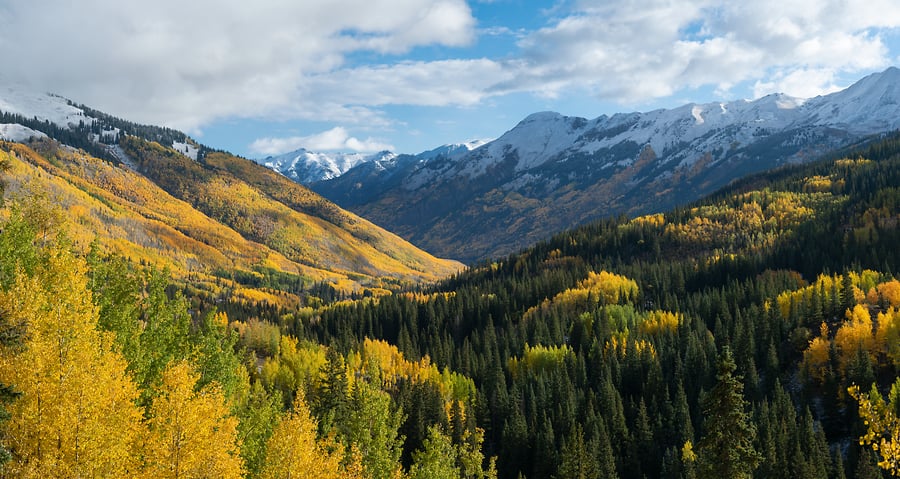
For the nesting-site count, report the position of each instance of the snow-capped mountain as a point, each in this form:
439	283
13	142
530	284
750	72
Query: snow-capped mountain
309	167
551	171
452	150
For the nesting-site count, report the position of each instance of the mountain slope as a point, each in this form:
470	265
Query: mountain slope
610	333
194	210
553	172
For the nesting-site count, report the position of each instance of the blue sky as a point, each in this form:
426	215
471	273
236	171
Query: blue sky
265	77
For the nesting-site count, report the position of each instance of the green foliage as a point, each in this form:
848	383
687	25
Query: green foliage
369	423
726	449
435	459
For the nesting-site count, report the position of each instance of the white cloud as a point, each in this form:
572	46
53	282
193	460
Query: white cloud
802	83
335	139
628	53
436	83
185	63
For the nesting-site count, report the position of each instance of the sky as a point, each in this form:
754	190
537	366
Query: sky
264	77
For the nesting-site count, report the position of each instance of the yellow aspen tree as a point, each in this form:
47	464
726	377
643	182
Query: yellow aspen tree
191	433
816	356
76	416
294	453
888	335
856	333
882	425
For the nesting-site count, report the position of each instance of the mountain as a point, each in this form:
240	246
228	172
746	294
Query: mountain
601	348
452	150
551	172
307	167
155	195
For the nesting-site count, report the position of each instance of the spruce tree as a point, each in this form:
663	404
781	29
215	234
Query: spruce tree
726	449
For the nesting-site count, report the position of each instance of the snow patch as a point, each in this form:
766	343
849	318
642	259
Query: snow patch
18	133
44	106
186	149
697	113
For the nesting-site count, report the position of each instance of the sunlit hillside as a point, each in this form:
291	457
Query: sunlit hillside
222	228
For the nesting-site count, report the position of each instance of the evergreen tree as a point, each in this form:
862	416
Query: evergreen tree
578	460
726	449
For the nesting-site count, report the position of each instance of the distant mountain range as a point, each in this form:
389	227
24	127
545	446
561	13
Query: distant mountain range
307	167
552	172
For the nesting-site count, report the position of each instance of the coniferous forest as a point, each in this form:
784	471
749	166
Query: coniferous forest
754	333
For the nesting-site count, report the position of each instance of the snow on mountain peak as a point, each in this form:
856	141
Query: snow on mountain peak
307	167
45	106
18	133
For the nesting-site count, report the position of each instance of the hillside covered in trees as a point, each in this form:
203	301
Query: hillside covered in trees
734	337
223	225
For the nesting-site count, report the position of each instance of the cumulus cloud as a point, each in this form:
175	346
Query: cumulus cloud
186	63
631	54
335	139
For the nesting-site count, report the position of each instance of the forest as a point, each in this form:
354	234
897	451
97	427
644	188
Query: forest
754	333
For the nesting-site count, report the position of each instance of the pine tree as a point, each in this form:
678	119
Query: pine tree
371	424
726	449
331	399
578	460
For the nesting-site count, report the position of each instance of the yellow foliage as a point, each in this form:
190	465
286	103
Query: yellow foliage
651	220
220	319
295	365
882	426
846	162
76	416
887	336
621	345
261	337
538	359
854	334
294	452
385	364
192	433
824	283
597	288
817	184
816	356
660	321
890	292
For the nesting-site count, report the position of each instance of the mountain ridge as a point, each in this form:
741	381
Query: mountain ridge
238	216
551	171
307	167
